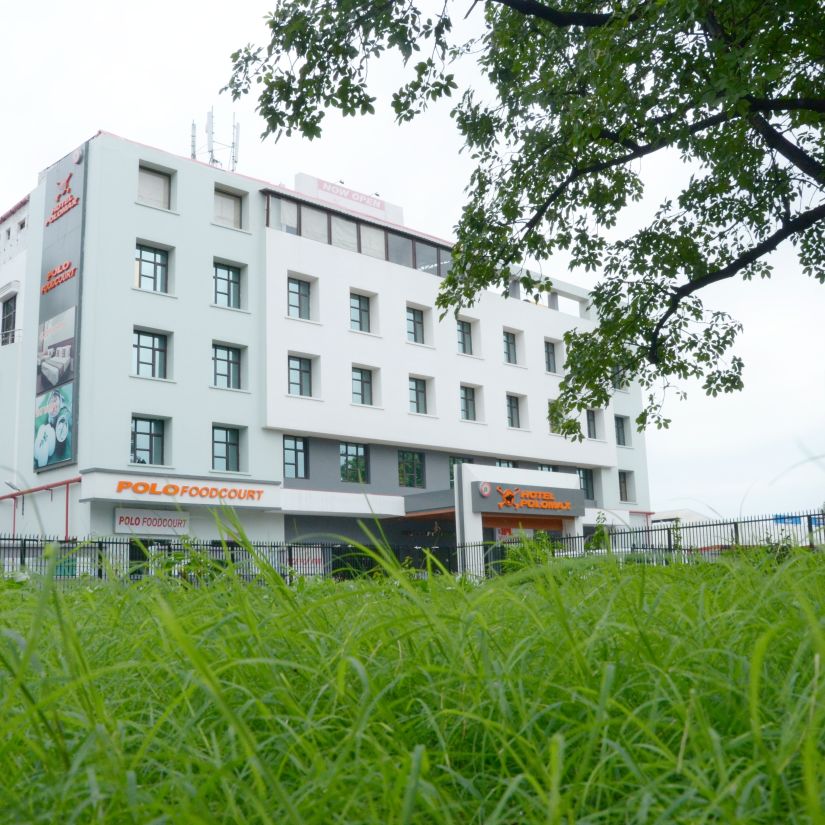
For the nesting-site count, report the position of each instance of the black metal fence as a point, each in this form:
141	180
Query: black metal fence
196	561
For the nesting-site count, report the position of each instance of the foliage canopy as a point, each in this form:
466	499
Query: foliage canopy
571	96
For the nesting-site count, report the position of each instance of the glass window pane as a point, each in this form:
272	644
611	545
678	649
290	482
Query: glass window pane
445	262
372	241
283	215
314	224
227	209
344	233
426	258
399	249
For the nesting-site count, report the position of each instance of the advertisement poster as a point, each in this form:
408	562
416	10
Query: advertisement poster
56	350
53	436
55	421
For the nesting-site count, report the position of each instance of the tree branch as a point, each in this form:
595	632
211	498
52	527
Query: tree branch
562	19
799	224
601	166
790	151
786	104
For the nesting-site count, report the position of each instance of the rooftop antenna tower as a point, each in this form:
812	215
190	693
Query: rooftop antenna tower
210	137
236	138
194	143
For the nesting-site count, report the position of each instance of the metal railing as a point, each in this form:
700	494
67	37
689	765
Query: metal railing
196	561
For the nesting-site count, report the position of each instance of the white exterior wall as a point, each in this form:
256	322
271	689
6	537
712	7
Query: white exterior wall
109	395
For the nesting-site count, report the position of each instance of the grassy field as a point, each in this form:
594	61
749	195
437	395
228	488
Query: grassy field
576	692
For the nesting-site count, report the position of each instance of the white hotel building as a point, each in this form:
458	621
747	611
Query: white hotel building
175	337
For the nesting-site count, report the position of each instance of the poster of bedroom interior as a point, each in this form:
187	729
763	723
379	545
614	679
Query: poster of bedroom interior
56	351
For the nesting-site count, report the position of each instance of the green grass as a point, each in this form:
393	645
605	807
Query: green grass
575	692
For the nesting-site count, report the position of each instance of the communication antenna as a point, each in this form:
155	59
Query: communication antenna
194	142
210	138
236	139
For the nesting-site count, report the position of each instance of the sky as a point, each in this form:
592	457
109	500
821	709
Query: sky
147	71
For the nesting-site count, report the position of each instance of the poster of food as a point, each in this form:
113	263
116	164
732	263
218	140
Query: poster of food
56	350
53	427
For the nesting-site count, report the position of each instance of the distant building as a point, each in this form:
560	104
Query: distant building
175	336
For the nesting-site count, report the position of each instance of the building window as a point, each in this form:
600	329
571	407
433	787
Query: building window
418	395
226	449
147	440
625	485
513	411
586	482
426	257
283	215
228	209
227	286
454	460
510	352
465	337
300	375
549	356
296	459
361	386
415	325
9	320
373	242
592	432
344	233
410	468
468	403
622	430
154	188
314	224
149	354
359	312
353	462
546	468
151	269
506	462
618	380
298	298
226	367
399	249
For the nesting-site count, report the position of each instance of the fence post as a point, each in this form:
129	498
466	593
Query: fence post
22	553
810	520
670	539
100	559
736	534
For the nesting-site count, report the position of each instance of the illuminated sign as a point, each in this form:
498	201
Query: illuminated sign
490	497
65	199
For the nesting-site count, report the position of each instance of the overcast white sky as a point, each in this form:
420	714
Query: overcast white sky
145	71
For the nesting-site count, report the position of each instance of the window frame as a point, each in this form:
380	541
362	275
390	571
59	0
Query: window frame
158	350
418	395
157	440
513	411
304	372
232	444
464	332
231	357
363	395
299	298
166	201
349	451
300	456
453	461
415	325
587	482
550	363
591	424
236	197
621	430
229	275
510	347
467	400
160	268
358	312
8	320
411	469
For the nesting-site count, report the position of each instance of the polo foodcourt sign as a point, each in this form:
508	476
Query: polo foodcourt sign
172	490
491	497
151	522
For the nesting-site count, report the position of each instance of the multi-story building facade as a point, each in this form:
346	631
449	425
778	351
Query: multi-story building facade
175	337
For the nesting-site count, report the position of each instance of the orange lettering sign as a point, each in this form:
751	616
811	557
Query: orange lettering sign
205	491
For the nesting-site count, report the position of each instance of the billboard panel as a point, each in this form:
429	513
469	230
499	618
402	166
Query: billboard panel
55	423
